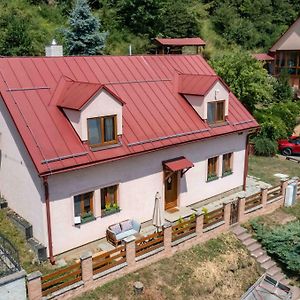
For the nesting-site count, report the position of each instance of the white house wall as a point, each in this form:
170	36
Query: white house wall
19	182
199	103
103	104
139	179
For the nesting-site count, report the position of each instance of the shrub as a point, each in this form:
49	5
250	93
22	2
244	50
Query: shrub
281	242
264	146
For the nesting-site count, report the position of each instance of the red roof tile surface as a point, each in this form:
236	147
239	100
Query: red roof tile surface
179	164
181	42
155	114
188	84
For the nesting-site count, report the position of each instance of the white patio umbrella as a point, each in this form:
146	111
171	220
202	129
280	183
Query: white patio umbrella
158	218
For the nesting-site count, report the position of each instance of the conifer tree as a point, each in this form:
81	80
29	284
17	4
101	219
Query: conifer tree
83	37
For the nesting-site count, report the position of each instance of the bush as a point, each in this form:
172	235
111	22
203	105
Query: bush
281	242
264	146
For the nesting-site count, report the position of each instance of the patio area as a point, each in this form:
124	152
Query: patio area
253	186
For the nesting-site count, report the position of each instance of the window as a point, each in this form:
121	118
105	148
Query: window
83	207
212	169
215	112
227	164
109	200
102	130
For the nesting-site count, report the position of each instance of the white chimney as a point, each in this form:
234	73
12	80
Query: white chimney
54	49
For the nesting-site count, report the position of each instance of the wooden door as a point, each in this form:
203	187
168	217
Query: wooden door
171	182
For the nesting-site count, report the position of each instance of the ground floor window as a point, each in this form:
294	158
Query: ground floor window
212	168
83	206
227	164
109	200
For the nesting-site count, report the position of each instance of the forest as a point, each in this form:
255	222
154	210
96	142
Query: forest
232	29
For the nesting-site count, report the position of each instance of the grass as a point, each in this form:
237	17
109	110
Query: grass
26	255
219	269
265	168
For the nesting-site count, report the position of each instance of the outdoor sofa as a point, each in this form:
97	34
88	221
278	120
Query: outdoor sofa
117	232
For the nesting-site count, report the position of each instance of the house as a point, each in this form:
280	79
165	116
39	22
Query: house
176	45
286	54
79	135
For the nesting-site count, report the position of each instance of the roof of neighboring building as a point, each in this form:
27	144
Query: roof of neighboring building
262	57
180	42
293	32
189	84
155	115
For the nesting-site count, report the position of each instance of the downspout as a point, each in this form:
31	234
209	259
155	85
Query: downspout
246	162
47	200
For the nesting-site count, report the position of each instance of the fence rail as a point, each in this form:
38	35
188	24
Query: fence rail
274	193
253	201
109	259
213	217
183	229
61	278
149	243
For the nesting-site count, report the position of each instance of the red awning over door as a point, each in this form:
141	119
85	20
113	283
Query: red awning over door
178	164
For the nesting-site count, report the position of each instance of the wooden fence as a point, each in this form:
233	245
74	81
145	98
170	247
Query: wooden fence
213	217
131	252
149	243
109	259
183	229
274	193
253	201
60	279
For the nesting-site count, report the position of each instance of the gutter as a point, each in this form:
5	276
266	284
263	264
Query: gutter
47	200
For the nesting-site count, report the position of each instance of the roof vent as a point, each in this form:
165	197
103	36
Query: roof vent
54	49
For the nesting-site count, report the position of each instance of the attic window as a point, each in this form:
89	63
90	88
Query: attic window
215	112
102	130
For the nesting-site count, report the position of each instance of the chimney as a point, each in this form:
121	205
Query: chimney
54	49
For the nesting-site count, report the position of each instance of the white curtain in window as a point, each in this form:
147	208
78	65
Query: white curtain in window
109	129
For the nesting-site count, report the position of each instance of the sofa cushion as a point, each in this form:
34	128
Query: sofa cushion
126	225
125	234
116	229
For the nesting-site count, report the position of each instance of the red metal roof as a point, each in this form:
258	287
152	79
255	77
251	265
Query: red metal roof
75	94
155	114
191	84
262	57
181	42
178	164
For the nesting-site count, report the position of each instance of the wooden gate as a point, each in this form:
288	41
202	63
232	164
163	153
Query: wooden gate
234	212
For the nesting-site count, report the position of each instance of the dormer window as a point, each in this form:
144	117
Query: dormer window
102	130
216	112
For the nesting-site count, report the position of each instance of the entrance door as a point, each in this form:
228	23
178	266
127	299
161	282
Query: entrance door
171	189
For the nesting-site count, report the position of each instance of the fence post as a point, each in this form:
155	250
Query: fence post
167	227
130	251
296	180
86	267
199	223
264	196
227	211
241	209
34	285
284	184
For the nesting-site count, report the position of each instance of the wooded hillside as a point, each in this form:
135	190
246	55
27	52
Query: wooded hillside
28	25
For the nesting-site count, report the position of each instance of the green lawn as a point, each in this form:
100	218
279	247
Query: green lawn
219	269
27	257
265	167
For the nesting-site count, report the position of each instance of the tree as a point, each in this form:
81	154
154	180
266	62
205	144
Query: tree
139	16
83	36
246	77
15	38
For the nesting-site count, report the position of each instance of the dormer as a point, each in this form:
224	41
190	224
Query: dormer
207	94
94	111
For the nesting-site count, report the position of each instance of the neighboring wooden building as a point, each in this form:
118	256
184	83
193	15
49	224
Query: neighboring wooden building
175	46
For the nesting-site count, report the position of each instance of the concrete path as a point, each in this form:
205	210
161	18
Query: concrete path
265	261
